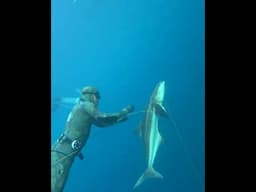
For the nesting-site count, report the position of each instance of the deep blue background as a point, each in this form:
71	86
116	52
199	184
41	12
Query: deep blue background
125	47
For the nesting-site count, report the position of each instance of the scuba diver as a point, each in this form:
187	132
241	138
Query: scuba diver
77	129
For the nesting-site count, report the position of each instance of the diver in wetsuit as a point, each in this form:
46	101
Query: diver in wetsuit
69	145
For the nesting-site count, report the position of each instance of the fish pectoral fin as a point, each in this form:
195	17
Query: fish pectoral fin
160	110
138	130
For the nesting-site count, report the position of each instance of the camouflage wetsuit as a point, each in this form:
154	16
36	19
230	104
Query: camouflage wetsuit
75	135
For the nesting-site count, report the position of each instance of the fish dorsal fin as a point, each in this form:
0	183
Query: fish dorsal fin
160	110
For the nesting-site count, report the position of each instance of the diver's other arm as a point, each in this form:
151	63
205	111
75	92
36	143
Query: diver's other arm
104	119
62	101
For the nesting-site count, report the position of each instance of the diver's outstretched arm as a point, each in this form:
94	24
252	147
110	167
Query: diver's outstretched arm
106	119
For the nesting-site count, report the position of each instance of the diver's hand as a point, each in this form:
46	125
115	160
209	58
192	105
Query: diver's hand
128	109
125	111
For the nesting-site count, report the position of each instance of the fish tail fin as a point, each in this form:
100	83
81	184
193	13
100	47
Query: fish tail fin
149	173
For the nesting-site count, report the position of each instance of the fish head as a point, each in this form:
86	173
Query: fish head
159	92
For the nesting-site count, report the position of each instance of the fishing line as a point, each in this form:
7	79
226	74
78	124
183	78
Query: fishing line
185	149
180	138
137	112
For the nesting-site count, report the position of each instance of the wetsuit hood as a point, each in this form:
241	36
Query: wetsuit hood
87	93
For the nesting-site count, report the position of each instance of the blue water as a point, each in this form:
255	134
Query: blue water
124	48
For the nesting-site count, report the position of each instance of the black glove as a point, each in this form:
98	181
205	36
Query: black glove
128	109
124	113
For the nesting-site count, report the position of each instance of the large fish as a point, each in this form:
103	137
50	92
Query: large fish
149	132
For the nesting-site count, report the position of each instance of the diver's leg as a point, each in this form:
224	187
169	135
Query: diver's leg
60	167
